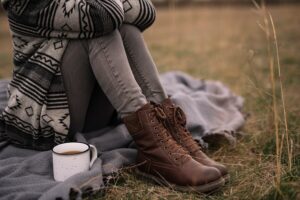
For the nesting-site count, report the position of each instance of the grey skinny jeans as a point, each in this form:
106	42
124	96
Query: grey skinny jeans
120	63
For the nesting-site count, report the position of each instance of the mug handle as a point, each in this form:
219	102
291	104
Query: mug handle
94	153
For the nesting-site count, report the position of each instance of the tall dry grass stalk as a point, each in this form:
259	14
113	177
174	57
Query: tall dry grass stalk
289	141
272	44
275	109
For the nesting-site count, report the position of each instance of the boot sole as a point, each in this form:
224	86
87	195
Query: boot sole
205	188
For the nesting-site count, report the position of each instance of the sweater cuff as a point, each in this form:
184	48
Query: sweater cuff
119	2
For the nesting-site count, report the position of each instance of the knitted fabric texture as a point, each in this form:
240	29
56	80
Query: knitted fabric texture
37	114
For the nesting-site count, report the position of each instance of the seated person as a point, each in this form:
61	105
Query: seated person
62	49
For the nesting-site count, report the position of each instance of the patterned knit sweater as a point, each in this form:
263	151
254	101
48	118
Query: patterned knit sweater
37	115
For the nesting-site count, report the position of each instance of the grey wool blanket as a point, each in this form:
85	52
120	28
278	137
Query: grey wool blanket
213	116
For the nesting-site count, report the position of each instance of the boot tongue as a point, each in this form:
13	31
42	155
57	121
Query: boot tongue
180	116
160	114
167	102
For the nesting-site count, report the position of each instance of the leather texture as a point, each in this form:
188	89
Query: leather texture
160	155
176	124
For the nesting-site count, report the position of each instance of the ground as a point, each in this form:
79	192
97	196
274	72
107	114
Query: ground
226	44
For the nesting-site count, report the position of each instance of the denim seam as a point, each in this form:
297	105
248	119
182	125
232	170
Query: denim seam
113	71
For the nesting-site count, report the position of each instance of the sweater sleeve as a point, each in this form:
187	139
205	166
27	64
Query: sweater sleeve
140	13
64	18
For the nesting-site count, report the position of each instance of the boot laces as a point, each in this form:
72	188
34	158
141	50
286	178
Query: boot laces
185	136
169	144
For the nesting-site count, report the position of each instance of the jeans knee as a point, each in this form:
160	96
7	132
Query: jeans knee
104	40
129	31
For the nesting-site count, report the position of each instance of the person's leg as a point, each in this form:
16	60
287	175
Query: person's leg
114	77
142	64
146	74
100	113
159	156
112	71
79	82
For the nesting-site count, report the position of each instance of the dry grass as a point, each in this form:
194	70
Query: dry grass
5	49
227	44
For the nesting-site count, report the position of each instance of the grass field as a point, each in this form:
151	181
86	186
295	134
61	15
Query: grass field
227	44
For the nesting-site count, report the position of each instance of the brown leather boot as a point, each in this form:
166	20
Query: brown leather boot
161	159
176	124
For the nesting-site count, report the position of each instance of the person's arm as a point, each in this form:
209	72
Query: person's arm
64	18
140	13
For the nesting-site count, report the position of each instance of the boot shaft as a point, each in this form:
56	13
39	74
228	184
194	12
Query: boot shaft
152	138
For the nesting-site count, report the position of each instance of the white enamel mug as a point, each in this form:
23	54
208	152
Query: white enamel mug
72	158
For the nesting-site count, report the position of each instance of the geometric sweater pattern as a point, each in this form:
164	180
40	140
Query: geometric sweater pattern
37	114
